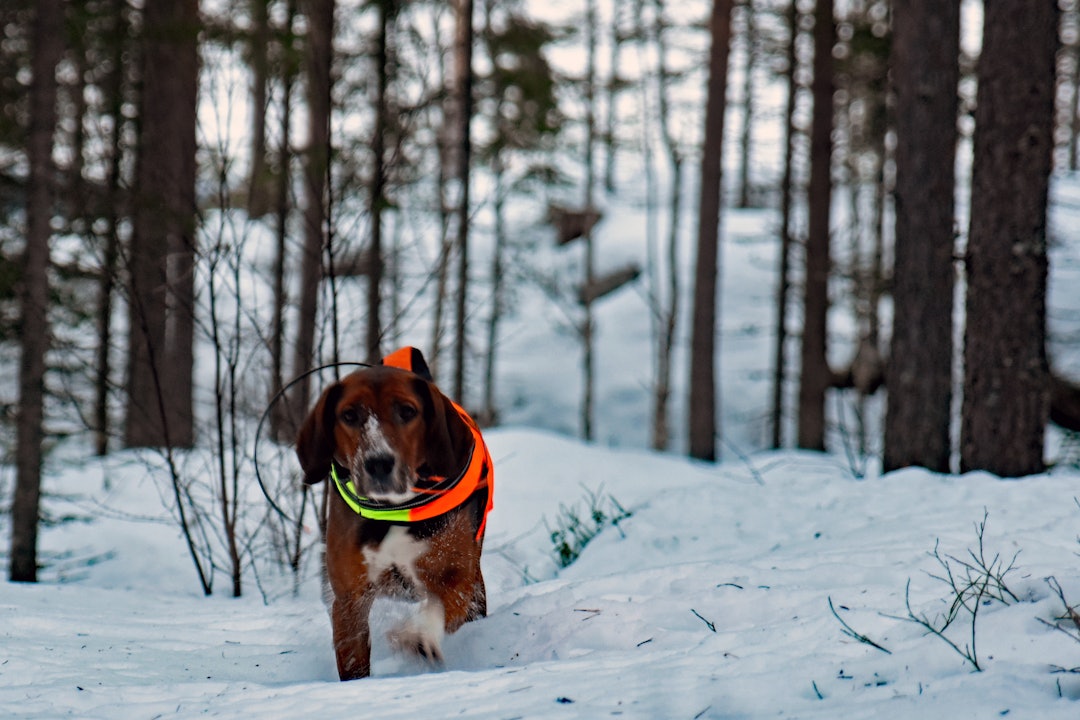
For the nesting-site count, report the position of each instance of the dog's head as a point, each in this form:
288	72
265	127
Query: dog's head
388	427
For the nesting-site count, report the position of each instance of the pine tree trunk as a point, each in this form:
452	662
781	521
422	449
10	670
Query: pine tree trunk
180	341
118	38
703	422
258	182
161	256
661	436
783	282
48	48
587	370
815	377
1074	104
745	136
926	71
378	184
280	427
668	315
1006	381
446	245
463	77
614	87
320	17
490	413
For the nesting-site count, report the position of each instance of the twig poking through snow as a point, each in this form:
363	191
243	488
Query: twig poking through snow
708	624
852	633
1070	611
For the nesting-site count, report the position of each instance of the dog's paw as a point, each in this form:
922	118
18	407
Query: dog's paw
412	641
421	635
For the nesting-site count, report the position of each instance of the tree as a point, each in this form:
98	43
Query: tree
783	287
587	326
463	83
745	132
703	428
387	11
161	256
318	62
48	48
117	38
1006	375
815	376
926	70
281	428
667	313
615	85
442	175
259	181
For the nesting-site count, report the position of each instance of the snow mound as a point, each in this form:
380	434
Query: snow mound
712	599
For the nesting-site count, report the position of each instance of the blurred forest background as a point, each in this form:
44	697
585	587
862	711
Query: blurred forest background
201	200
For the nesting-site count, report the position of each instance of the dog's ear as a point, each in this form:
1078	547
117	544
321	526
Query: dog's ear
448	439
411	359
315	442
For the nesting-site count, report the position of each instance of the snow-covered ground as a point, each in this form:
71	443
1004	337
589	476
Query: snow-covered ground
710	601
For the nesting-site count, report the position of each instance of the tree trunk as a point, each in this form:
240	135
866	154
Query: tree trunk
815	377
745	136
259	182
48	48
378	183
1074	104
661	436
703	422
490	413
280	427
109	268
446	245
783	282
925	70
320	17
180	341
614	87
668	316
1006	379
161	257
463	77
587	369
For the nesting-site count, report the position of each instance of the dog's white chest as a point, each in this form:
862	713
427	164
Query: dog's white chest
398	549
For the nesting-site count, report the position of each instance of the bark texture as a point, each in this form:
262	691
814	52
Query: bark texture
926	70
1006	376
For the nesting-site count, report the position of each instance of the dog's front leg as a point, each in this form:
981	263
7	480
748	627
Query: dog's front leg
352	636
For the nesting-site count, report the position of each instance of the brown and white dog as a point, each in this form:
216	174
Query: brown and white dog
413	484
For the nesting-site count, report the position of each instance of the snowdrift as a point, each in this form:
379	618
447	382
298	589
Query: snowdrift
711	600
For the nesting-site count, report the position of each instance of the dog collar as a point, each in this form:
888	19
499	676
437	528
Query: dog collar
435	495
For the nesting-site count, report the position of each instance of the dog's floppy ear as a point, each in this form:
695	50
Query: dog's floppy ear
448	439
411	359
315	442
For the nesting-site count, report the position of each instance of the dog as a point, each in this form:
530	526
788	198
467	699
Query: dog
413	486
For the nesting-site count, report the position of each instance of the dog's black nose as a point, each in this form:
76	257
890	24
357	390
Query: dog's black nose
379	467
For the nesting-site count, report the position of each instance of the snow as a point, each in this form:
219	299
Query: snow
711	600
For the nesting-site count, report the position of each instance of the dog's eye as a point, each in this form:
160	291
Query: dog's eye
405	412
350	416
